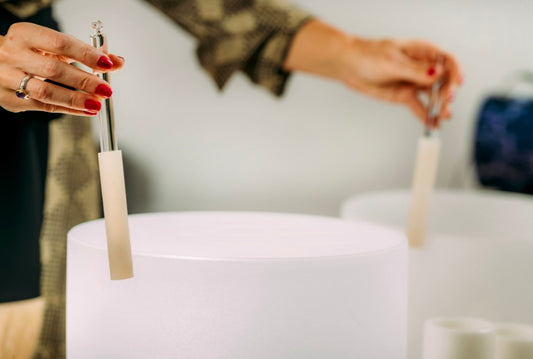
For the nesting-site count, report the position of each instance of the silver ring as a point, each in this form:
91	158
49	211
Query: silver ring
21	91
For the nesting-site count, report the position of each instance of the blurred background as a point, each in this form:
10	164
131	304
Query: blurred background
188	146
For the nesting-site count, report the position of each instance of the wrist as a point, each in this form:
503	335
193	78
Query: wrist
319	49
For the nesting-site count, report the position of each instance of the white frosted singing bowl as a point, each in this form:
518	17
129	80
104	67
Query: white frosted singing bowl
458	338
477	260
239	286
513	341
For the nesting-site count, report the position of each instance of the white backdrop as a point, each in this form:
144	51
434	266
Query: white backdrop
190	147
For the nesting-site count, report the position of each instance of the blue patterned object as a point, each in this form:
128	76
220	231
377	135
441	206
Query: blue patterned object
504	144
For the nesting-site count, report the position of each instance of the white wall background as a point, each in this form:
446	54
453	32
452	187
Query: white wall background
190	147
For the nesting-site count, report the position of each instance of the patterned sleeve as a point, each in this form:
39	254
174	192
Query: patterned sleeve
252	36
25	8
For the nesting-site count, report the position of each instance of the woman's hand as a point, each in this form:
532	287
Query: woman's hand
395	71
398	71
45	54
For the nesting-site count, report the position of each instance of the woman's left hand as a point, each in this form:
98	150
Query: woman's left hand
36	75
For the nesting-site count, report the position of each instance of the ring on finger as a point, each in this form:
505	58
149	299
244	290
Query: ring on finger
21	92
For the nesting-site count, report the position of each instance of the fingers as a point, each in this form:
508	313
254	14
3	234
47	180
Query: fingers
419	63
447	70
51	94
431	54
419	56
420	50
446	97
51	41
418	72
39	106
402	61
61	72
14	104
118	61
93	88
453	78
454	69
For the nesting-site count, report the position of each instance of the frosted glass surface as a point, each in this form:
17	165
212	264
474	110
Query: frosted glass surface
239	286
426	164
245	235
477	260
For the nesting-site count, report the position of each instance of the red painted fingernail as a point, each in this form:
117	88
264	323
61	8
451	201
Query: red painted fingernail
431	71
93	105
89	113
104	62
103	90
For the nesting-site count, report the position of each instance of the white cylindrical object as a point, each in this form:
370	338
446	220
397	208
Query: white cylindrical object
513	341
425	171
477	260
240	286
458	338
116	214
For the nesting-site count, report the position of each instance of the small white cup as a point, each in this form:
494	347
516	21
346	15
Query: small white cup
513	341
458	338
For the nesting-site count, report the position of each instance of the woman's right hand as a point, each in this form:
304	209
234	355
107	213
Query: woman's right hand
45	54
391	70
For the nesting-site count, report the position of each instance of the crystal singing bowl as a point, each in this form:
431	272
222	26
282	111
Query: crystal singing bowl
477	260
239	285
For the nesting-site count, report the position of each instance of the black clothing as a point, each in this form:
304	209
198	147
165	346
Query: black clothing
23	164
